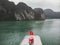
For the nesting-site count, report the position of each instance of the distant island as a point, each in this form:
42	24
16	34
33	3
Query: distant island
50	14
11	12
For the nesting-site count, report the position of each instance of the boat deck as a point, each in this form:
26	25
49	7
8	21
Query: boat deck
37	40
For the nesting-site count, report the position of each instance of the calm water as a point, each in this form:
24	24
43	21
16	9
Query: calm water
12	33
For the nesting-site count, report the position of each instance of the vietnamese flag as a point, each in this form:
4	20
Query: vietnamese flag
31	33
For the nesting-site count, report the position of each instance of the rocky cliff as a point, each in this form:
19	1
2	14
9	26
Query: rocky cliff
6	10
11	12
24	12
39	14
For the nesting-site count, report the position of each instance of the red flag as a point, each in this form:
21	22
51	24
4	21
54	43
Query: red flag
31	33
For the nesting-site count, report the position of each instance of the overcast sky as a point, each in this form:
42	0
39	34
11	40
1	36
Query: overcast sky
44	4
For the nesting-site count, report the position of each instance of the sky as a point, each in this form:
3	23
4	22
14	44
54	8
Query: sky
44	4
